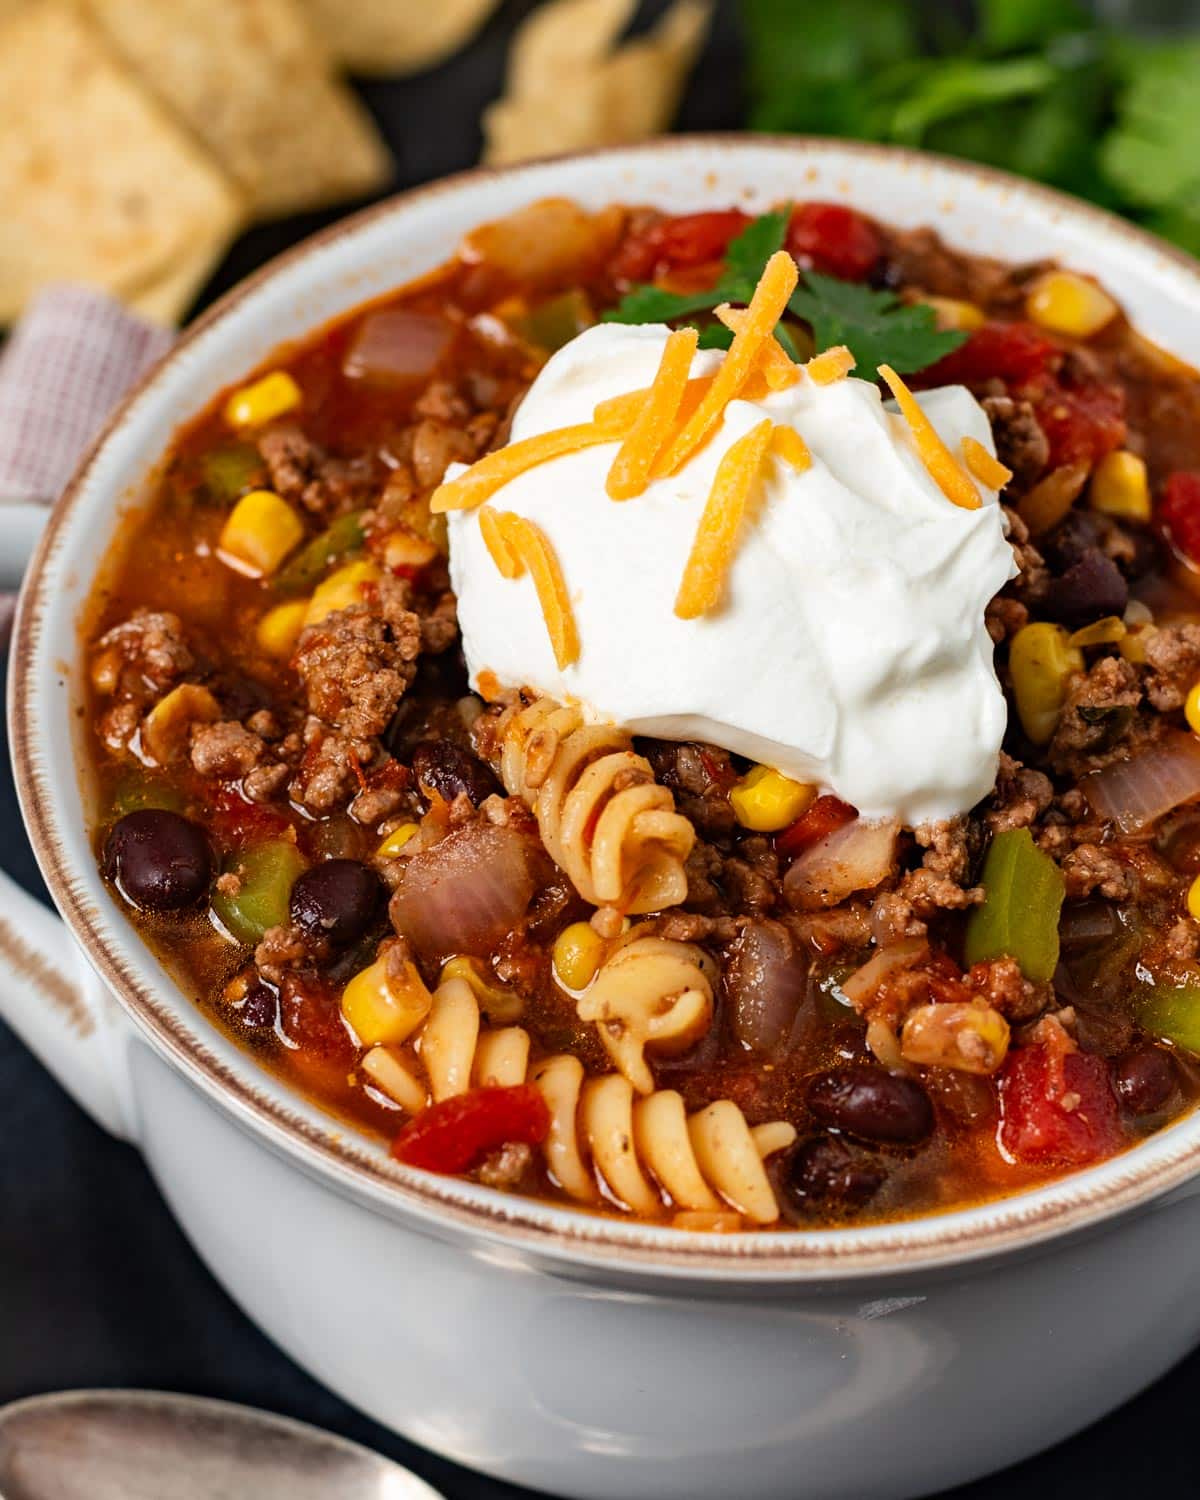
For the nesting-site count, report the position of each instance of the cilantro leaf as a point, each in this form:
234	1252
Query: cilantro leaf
716	336
1152	153
655	304
877	326
749	253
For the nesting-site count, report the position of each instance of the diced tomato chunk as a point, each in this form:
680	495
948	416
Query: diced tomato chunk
1058	1109
236	821
1082	422
1179	513
832	238
458	1133
1013	352
825	816
675	243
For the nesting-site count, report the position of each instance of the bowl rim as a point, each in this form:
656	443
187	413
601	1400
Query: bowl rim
562	1234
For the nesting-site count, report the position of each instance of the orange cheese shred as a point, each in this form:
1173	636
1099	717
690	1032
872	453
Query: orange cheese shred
947	473
778	369
622	411
776	285
630	472
715	545
491	528
830	365
530	545
787	444
494	470
983	466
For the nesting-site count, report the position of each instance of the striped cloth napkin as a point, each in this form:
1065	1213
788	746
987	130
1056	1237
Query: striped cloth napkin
69	360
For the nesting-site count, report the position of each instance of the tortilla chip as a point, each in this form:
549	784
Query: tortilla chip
253	81
99	184
166	299
569	90
396	36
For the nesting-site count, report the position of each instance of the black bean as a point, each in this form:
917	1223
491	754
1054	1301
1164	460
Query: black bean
826	1173
867	1102
443	767
1144	1079
338	899
260	1007
158	860
1090	589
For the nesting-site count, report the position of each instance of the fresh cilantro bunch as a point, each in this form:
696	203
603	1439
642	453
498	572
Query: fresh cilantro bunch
1039	87
876	325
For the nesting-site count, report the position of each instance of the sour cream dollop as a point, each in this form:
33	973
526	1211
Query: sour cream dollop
849	649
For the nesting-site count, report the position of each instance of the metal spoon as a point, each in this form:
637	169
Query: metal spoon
147	1445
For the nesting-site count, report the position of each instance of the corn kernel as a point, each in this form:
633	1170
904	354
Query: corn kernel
262	401
952	313
1064	302
404	549
1191	708
1120	487
382	1008
1041	659
395	841
766	800
1193	898
1133	646
279	629
578	950
260	532
166	728
1105	632
341	589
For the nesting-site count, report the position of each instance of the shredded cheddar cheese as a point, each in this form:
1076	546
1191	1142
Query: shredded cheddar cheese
787	444
715	545
621	411
494	470
983	466
771	295
630	472
530	545
491	529
948	474
830	365
778	370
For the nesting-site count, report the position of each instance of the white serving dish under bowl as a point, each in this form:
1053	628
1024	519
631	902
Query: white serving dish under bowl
581	1355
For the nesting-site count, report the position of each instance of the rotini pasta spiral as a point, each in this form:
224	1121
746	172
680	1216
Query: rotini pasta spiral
646	1153
650	993
601	815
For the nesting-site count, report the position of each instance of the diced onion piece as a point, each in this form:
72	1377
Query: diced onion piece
716	537
787	444
983	465
947	473
857	857
540	241
778	368
393	346
776	285
483	479
860	986
830	365
1137	792
630	472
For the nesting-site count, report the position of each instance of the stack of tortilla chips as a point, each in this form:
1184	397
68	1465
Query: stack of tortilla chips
138	137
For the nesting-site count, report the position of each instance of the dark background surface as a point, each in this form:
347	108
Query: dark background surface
98	1287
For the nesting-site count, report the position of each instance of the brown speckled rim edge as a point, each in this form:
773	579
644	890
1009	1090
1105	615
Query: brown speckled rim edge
558	1234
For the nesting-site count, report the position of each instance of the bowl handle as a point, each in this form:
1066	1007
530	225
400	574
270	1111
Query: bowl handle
61	1010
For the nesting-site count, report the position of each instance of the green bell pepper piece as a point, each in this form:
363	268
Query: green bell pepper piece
230	471
1171	1012
300	575
134	792
555	322
268	872
1018	917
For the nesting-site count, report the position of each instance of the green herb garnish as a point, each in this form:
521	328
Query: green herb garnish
1042	88
876	325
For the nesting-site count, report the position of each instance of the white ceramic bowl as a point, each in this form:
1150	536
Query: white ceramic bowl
582	1355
